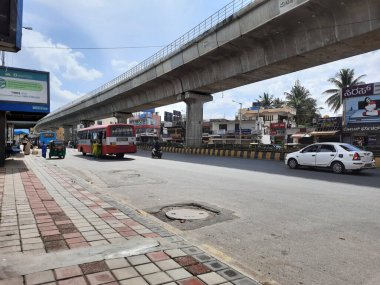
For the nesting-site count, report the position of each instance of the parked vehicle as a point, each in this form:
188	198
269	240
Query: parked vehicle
337	156
57	148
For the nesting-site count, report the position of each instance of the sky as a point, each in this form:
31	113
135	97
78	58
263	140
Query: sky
84	44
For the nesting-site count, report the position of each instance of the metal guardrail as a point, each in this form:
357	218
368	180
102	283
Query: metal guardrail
210	22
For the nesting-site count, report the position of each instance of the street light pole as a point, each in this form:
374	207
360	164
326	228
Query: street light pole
241	106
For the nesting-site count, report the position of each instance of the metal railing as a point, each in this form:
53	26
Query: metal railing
210	22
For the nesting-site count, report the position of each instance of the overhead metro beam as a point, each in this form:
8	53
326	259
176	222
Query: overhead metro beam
255	44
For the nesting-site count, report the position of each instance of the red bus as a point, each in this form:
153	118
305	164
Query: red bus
115	139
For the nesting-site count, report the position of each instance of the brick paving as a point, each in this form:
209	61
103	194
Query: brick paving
43	210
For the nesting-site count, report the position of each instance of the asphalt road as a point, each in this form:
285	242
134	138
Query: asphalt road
293	226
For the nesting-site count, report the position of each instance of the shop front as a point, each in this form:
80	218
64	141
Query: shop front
277	133
364	135
328	130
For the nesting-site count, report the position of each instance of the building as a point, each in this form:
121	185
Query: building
147	126
328	130
273	123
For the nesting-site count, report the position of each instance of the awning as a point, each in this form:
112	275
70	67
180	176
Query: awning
300	135
324	133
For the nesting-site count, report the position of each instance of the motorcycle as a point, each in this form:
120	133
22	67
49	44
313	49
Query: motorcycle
156	153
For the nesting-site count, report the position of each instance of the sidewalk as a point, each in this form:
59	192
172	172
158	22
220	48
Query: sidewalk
56	231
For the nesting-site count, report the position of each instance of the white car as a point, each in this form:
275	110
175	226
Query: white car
337	156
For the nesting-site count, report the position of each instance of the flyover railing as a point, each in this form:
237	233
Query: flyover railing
210	22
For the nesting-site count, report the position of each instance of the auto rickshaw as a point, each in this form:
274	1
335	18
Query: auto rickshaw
57	148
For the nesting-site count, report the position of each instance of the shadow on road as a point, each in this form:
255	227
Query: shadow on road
370	177
107	158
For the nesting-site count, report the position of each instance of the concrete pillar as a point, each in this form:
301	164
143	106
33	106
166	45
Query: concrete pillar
194	116
2	138
68	133
122	117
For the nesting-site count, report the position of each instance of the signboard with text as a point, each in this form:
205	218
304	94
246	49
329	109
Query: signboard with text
275	126
361	104
24	90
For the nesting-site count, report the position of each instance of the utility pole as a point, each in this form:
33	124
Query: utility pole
241	107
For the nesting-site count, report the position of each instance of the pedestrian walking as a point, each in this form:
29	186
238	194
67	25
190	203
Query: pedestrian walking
44	149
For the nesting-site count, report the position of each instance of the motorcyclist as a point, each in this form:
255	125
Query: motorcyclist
156	151
157	146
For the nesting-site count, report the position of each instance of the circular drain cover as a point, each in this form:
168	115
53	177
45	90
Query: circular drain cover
186	214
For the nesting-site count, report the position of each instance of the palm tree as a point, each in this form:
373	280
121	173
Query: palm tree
300	99
344	78
278	102
266	100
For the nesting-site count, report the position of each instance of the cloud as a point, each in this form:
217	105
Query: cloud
60	96
60	59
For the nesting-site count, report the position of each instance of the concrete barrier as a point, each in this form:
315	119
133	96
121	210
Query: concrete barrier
377	159
246	154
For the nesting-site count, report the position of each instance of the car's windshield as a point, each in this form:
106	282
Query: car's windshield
349	147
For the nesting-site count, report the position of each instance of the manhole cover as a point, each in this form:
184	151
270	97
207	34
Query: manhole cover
187	214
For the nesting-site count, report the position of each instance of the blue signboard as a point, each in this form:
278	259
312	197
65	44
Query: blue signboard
10	25
19	24
255	106
150	111
24	90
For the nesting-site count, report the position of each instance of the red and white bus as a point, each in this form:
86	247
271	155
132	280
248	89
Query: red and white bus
115	139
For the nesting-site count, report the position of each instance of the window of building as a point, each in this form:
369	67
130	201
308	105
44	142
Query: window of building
223	127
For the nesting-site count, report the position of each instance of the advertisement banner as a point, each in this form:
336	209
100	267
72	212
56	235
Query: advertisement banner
361	104
275	126
24	90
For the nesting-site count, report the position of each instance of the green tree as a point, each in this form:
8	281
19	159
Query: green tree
300	99
278	102
344	78
266	100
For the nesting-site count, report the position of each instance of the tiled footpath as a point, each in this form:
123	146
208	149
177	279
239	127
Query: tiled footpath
44	211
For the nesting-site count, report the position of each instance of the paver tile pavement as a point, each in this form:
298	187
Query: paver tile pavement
45	210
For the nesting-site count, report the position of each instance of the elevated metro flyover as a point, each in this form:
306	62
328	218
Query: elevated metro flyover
245	42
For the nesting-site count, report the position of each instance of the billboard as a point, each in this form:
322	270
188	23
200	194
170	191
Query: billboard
361	104
255	106
168	117
24	90
10	25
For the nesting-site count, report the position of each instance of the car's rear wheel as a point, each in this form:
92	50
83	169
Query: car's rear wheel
292	163
337	167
